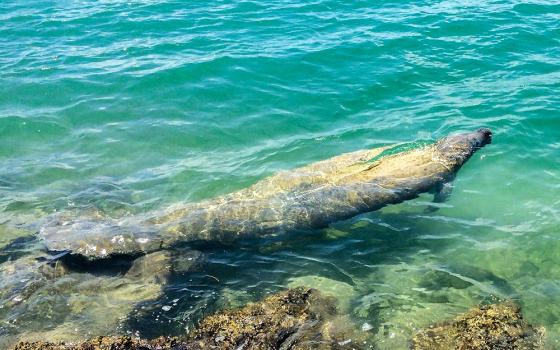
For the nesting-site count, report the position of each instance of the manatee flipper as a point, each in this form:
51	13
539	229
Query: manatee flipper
442	192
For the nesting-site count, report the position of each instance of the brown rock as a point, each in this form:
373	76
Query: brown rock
108	343
298	318
487	327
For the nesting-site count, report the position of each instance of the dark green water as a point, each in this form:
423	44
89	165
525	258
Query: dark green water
129	106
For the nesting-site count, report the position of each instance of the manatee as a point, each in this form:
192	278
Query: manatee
301	199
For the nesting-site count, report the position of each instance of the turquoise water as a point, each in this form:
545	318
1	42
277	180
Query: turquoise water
128	106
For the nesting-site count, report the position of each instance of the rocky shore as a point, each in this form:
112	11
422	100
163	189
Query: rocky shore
299	318
304	319
109	343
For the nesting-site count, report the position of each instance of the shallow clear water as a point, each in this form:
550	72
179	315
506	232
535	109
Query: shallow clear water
130	106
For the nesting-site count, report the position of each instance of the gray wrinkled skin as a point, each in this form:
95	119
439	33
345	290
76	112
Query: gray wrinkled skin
305	198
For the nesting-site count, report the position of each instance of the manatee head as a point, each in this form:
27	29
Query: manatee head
457	149
439	161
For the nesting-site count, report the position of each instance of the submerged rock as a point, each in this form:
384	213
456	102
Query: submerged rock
299	318
398	305
343	292
40	299
14	242
413	295
498	326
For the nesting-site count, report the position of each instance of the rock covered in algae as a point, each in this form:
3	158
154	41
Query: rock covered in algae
299	318
109	343
9	235
496	327
343	292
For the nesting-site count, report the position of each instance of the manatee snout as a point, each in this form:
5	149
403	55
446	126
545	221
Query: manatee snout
484	137
475	140
459	148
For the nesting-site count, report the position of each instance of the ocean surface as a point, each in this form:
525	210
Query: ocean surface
124	107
